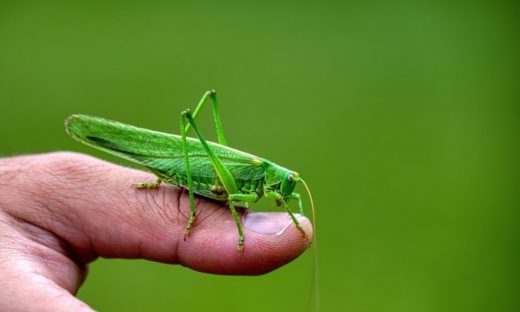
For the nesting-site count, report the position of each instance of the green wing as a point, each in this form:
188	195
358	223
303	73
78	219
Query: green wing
161	152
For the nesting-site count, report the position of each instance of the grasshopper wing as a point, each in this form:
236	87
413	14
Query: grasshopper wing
160	152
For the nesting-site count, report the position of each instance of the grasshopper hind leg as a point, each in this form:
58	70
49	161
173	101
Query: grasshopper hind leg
242	198
212	96
186	115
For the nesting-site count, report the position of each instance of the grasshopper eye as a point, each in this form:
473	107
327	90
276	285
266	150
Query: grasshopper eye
290	178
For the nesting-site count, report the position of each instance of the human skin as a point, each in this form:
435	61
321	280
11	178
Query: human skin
61	211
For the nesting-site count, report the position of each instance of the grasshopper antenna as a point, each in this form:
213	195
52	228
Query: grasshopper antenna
315	276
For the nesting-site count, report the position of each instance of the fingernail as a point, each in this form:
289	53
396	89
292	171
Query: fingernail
272	223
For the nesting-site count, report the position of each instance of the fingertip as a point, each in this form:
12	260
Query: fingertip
273	223
270	240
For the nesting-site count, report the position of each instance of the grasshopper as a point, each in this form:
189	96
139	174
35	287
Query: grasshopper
212	170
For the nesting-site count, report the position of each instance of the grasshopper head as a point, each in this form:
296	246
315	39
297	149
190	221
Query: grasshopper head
281	181
288	183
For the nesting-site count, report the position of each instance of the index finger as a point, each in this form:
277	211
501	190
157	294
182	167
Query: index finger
91	205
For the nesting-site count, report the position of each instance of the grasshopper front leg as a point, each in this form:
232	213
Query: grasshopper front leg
278	197
300	203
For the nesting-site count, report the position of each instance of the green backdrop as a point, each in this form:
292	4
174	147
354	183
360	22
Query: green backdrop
403	116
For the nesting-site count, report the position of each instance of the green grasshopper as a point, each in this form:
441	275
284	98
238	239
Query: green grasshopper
208	169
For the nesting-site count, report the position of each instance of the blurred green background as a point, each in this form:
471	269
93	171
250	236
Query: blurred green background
403	116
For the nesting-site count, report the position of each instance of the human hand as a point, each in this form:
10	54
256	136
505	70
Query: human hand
61	211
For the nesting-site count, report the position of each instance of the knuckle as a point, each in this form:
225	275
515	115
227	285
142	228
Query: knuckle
68	167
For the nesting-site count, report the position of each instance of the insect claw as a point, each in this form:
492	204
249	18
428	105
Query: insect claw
186	233
186	112
147	185
188	225
240	245
302	231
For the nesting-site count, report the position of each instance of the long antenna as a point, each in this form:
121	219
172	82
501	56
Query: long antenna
315	276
